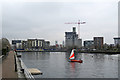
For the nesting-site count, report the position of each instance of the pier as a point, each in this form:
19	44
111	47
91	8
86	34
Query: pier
34	71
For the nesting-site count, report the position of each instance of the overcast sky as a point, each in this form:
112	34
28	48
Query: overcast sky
23	20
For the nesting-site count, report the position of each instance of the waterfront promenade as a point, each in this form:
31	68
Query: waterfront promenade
8	66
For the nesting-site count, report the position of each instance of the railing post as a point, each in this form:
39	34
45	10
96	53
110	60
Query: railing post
26	71
22	70
15	64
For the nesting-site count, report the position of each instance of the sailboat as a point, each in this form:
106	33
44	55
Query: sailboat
72	57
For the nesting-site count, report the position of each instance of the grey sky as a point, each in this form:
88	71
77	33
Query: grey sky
119	19
22	20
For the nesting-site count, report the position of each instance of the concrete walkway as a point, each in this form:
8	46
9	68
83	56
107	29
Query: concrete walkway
8	67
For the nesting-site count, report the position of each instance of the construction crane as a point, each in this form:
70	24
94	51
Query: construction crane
78	26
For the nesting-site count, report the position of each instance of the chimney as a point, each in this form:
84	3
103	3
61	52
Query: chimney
74	29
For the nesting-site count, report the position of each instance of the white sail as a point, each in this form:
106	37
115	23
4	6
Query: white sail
72	55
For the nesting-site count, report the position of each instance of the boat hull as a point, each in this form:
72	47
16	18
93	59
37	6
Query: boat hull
80	61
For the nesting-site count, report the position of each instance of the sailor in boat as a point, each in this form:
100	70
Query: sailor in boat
72	57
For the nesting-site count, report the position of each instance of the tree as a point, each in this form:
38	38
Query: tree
5	46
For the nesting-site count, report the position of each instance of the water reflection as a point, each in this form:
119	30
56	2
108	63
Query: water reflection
36	55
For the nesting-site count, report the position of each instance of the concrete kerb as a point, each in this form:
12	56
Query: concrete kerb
20	73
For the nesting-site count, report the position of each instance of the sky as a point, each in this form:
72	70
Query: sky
119	19
46	20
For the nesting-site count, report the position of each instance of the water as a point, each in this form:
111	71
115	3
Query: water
56	65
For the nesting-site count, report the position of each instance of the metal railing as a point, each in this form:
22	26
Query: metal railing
25	70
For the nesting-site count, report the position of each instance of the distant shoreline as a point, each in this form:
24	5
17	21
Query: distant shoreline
103	52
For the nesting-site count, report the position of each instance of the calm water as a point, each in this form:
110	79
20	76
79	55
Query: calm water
56	65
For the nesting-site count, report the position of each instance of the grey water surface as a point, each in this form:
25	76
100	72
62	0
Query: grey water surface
56	65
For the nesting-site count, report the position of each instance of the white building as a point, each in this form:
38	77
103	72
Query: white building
36	43
19	46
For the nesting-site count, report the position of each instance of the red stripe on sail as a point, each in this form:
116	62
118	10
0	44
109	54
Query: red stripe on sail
72	56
